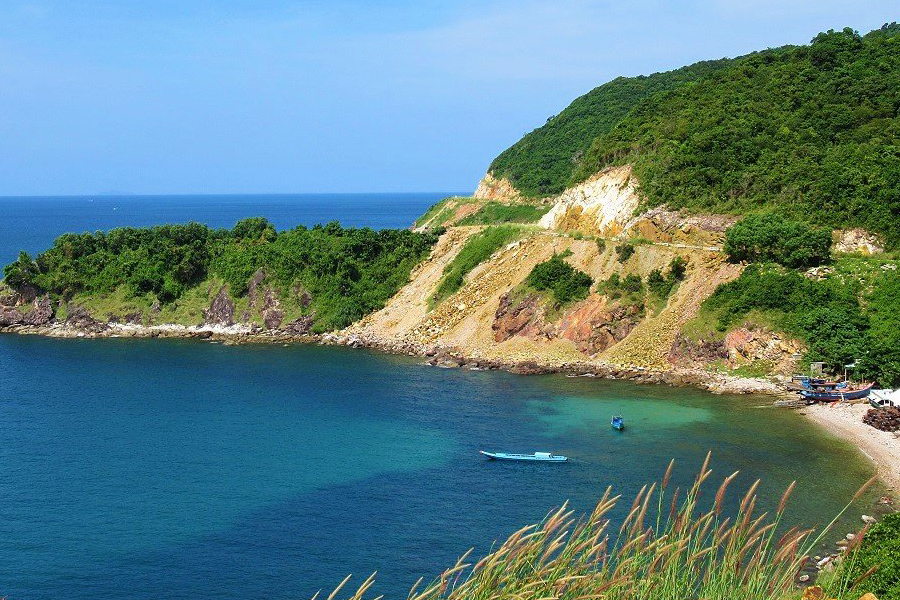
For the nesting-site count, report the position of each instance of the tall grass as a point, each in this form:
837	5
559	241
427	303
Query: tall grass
667	548
477	249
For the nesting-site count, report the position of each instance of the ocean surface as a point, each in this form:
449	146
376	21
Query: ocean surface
188	469
32	223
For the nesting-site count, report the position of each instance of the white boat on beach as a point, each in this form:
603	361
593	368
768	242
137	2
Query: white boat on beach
885	398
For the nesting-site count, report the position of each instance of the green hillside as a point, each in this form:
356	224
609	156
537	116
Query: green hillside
544	161
811	131
808	131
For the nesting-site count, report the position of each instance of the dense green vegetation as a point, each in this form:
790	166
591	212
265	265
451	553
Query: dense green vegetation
348	272
496	212
811	132
840	318
826	314
562	279
662	285
624	251
543	162
880	550
771	238
477	249
631	287
882	357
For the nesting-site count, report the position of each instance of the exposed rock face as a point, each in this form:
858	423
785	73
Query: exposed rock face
675	227
857	241
12	313
593	324
221	309
688	353
601	205
253	286
266	301
9	316
20	297
300	326
82	320
750	345
133	318
41	314
271	312
525	318
491	188
741	346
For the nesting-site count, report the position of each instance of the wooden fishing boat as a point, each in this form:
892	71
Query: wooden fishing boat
537	456
837	394
800	383
618	423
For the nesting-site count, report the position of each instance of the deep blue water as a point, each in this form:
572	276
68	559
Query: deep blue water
174	469
32	223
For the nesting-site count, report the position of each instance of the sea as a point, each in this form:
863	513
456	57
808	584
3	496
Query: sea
188	469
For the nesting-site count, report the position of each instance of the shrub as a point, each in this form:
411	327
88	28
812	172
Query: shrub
882	361
478	248
657	284
880	549
601	245
678	268
772	238
496	212
21	272
624	250
632	283
565	281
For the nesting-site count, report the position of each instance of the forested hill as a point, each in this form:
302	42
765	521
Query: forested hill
545	160
810	131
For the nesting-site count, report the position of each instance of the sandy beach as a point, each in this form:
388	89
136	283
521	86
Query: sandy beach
881	447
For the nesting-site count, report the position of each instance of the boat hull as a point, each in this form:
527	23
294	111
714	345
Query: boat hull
523	457
837	395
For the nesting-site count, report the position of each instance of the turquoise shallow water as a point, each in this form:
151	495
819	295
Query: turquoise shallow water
172	469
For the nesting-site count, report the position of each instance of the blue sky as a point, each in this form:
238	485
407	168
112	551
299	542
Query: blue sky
284	96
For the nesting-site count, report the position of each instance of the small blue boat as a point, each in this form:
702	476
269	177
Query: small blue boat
539	456
618	423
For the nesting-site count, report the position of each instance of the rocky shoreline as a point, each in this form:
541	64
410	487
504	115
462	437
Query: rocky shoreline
435	355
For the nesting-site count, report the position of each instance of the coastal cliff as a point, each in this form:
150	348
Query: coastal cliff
712	223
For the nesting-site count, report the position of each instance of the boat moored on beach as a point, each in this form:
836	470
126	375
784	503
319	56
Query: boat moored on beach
885	398
837	394
537	456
